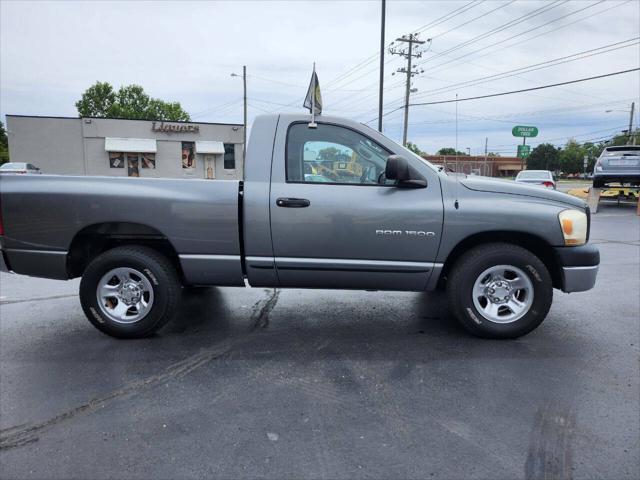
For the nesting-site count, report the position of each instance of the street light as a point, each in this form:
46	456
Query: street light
630	111
244	133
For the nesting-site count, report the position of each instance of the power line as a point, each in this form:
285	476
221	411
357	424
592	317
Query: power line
494	51
479	97
510	38
522	115
535	36
473	20
537	66
504	26
454	13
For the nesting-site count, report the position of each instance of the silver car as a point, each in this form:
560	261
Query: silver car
618	164
17	168
544	178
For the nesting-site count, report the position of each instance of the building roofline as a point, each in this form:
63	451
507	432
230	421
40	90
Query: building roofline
130	119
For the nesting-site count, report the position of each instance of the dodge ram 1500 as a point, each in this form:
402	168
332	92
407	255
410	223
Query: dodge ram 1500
337	206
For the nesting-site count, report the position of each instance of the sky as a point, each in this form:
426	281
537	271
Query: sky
50	52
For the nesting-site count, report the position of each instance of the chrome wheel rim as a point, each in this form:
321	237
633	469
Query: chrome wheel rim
503	294
125	295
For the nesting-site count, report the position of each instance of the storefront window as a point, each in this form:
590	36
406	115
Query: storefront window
188	155
229	156
116	160
148	160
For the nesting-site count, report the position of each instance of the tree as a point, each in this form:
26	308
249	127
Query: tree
97	101
414	148
4	145
572	157
592	151
544	157
330	154
450	151
130	101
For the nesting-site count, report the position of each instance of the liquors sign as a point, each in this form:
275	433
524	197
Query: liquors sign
174	127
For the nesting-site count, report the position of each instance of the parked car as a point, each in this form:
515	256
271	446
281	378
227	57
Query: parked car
543	178
617	165
386	220
15	168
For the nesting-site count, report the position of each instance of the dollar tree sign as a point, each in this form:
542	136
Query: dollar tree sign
522	131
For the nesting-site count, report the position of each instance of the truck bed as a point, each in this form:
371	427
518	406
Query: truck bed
42	215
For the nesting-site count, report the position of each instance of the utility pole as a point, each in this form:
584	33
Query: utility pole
410	71
382	20
486	144
244	98
631	136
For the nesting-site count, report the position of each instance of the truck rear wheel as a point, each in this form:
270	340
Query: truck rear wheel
499	290
129	291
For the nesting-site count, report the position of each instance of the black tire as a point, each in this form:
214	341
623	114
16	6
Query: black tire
598	183
472	264
156	269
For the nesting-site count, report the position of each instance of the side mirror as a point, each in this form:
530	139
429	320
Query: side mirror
398	169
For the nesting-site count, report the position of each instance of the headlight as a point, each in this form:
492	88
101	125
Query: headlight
574	227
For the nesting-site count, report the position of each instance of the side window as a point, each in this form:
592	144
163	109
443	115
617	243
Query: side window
333	154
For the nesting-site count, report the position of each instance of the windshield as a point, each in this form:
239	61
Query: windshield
407	151
13	166
534	175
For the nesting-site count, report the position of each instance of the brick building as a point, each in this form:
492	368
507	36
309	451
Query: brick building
491	167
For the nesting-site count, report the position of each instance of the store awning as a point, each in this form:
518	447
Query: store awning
132	145
205	146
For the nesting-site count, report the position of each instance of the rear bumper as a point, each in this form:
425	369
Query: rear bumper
4	266
579	266
621	177
36	263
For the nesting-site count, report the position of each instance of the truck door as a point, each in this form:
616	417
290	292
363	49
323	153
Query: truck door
334	225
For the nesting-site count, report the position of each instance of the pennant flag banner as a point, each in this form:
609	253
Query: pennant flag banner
313	100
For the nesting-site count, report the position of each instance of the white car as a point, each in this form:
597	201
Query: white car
544	178
16	168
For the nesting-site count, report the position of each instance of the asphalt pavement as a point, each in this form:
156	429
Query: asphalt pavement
255	383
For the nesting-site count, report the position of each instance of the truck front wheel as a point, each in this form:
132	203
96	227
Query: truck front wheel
129	291
499	290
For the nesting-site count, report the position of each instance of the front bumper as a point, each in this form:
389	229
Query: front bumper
579	267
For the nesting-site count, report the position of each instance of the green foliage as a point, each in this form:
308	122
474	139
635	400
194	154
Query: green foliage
450	151
572	157
130	101
97	101
414	148
544	157
4	145
330	154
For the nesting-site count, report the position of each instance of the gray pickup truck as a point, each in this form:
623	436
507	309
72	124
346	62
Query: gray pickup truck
338	206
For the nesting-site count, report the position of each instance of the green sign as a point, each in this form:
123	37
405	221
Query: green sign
521	131
523	151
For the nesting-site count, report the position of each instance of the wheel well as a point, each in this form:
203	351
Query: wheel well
95	239
536	245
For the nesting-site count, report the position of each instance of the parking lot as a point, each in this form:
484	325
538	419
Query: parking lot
324	384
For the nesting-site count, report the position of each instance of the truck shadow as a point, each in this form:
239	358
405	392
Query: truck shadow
419	329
